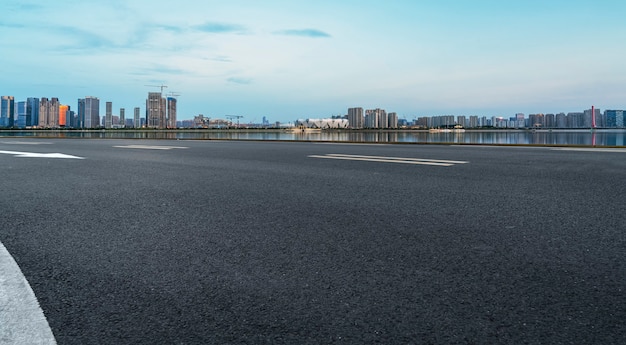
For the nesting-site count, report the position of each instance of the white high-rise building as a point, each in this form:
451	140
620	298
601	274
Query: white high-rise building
355	117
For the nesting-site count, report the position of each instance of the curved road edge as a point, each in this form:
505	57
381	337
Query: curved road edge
21	319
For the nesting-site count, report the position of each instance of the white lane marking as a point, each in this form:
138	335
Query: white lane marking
149	147
24	143
40	155
590	149
21	319
383	159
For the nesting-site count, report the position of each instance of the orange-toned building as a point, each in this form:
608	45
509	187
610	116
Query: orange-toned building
63	110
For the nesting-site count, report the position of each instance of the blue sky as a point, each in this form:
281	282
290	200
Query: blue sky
309	59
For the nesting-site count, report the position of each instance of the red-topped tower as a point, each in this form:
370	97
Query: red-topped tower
593	116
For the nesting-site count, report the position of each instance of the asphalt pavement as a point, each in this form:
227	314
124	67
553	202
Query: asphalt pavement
231	242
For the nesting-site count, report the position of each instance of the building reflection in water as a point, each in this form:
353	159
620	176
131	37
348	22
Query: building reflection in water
523	137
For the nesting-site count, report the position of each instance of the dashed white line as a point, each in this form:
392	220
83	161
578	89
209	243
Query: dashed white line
150	147
383	159
25	143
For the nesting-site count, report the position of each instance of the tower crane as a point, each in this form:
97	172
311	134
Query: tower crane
159	86
234	117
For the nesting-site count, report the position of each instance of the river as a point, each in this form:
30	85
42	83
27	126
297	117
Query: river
606	138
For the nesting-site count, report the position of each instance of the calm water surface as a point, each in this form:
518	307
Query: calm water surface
544	137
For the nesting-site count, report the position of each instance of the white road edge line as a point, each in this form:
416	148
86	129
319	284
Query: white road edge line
597	149
382	160
21	319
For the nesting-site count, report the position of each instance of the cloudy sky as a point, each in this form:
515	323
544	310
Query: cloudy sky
308	59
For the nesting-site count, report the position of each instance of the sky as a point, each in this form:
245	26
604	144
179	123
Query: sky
289	60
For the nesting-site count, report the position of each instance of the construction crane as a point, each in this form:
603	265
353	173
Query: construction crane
173	94
231	117
159	86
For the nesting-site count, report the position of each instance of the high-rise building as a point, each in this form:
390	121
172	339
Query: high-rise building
171	112
536	120
155	111
461	121
21	114
122	117
137	118
355	118
392	120
473	121
88	112
589	117
373	118
108	117
7	111
549	121
576	120
561	120
614	118
71	118
32	111
63	112
49	112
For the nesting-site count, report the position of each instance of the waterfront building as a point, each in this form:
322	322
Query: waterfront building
500	122
321	123
63	112
588	119
575	120
155	111
614	118
88	112
71	118
48	112
108	116
122	119
374	117
21	114
461	121
355	117
32	111
561	120
392	120
549	121
7	111
421	122
383	119
536	120
136	119
444	121
473	121
171	112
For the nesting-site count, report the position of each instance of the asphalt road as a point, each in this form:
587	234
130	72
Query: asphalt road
218	242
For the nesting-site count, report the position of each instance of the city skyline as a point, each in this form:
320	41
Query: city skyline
285	60
161	112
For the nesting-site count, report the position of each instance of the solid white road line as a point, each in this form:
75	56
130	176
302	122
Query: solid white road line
400	160
21	319
149	147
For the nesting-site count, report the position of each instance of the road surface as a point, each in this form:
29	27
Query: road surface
200	242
